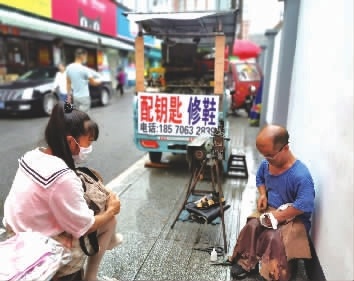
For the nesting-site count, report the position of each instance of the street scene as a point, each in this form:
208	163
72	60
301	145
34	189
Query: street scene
176	140
150	198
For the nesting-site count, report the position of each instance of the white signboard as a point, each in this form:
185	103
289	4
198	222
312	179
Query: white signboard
177	114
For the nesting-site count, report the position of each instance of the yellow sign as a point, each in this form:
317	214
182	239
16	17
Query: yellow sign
39	7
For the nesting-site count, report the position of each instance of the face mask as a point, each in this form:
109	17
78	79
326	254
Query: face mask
83	154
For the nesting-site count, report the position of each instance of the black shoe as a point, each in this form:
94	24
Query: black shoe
237	271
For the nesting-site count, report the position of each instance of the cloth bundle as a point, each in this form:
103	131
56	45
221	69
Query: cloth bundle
273	220
31	256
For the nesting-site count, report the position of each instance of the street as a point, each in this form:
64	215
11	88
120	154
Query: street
113	152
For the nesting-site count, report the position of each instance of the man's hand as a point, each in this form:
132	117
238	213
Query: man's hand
262	203
95	81
69	98
113	203
287	214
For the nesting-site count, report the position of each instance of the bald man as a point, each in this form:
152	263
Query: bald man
286	200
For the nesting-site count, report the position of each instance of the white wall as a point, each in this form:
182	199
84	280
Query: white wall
320	122
268	18
273	79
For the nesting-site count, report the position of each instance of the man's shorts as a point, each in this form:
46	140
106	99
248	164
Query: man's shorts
82	103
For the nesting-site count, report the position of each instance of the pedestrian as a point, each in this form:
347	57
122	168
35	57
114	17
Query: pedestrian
59	84
47	196
79	77
121	81
255	111
162	81
278	232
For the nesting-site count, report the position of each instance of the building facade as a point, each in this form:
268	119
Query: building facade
46	32
178	5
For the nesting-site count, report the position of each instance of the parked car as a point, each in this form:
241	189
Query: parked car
32	92
246	79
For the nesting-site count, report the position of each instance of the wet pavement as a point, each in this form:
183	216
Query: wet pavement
151	199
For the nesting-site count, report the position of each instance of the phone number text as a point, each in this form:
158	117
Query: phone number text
175	130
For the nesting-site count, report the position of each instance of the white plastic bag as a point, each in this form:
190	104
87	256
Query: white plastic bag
273	220
31	256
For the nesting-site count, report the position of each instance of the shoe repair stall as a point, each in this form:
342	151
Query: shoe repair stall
188	113
191	101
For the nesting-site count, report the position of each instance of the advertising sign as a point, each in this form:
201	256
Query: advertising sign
177	115
39	7
94	15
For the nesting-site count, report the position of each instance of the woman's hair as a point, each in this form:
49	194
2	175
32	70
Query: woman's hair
68	122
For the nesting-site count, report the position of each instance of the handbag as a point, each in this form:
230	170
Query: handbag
96	195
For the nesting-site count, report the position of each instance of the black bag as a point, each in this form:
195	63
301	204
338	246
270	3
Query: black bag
205	216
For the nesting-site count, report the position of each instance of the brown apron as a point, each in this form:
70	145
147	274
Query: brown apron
274	249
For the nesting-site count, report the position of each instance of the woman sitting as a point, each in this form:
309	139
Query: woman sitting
47	196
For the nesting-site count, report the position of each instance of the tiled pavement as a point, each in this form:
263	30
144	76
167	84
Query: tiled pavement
151	199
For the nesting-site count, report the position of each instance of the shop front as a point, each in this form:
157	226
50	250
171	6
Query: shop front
127	32
28	41
19	52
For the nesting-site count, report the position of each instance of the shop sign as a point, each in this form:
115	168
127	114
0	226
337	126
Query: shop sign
94	15
177	115
5	29
128	30
39	7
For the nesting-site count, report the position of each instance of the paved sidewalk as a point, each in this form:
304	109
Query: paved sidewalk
151	198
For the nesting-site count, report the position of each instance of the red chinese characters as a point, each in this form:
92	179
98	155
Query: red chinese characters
146	106
160	109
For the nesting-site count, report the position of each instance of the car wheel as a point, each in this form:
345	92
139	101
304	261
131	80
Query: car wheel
49	101
104	97
155	157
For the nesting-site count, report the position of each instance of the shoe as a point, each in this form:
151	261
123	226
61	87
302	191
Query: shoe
237	271
116	240
209	201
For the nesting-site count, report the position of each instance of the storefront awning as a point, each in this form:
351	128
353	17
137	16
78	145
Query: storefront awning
184	26
26	22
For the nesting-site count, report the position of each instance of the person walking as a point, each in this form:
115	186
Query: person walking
59	84
79	77
120	81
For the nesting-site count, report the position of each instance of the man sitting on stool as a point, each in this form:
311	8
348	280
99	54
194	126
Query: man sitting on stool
282	233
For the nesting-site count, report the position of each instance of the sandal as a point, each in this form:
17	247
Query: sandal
201	202
209	201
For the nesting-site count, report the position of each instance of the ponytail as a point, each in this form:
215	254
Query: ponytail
55	135
63	123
